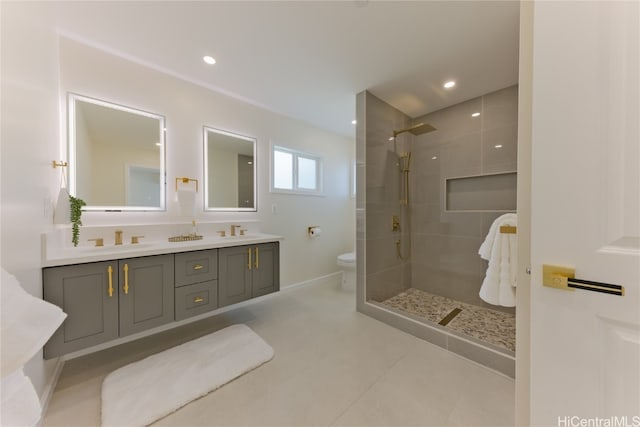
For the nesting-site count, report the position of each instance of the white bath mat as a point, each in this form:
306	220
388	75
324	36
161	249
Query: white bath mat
142	392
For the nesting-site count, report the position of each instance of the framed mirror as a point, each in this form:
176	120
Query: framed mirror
229	170
116	156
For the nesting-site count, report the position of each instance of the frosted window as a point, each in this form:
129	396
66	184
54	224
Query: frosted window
282	170
295	172
307	173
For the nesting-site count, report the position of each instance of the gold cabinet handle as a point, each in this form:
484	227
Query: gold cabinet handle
198	299
249	258
257	264
110	271
198	267
126	278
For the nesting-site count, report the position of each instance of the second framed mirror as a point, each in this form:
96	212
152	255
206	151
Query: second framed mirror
230	171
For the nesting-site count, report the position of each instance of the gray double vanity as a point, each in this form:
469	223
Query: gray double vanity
114	297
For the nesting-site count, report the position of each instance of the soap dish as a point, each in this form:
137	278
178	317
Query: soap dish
185	238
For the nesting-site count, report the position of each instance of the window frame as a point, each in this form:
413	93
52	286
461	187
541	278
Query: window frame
319	161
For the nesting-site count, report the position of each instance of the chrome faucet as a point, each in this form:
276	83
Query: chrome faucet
118	237
233	229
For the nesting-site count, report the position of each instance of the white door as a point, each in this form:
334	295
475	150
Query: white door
585	345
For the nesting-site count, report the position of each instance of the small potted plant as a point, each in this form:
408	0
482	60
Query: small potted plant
76	205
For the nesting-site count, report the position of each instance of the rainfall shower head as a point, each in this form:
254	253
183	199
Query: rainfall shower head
418	129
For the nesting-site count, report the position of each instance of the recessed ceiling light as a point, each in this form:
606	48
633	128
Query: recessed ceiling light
476	114
434	157
498	146
449	84
353	122
209	60
391	138
158	144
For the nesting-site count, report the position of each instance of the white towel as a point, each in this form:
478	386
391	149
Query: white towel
19	403
27	323
187	202
62	213
499	284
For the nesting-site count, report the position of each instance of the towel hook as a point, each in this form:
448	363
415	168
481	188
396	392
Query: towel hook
508	229
186	180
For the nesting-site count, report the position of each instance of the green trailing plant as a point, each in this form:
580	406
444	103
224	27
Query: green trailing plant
76	214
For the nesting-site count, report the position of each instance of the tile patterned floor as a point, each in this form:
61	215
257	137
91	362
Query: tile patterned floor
491	326
332	367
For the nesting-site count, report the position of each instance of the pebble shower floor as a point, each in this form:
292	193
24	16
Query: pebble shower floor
490	326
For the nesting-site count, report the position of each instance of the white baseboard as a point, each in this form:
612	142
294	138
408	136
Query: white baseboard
50	388
316	280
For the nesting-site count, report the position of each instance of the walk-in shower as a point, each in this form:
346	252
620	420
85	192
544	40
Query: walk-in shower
417	252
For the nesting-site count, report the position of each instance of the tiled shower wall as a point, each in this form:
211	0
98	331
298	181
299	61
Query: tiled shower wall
445	258
386	274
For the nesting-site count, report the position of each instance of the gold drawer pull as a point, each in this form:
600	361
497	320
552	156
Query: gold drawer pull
110	271
249	258
257	264
126	278
198	267
198	299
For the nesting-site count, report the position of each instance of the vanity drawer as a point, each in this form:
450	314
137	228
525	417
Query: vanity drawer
196	299
196	267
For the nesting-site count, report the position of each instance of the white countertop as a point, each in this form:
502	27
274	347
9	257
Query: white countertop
82	254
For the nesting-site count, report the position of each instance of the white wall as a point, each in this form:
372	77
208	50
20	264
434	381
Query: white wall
30	141
37	71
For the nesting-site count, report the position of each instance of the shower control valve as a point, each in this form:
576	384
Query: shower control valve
395	223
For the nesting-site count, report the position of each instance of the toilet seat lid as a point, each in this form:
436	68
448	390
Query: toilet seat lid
349	257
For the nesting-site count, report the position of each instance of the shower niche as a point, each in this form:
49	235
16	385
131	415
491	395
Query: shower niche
491	193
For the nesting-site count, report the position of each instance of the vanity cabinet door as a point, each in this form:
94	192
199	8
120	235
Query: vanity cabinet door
146	290
234	272
83	292
266	275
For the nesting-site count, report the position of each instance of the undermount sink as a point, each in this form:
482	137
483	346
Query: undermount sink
238	237
123	247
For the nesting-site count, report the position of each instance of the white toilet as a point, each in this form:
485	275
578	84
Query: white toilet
348	264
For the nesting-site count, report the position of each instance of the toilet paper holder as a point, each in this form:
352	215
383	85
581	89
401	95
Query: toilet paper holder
313	230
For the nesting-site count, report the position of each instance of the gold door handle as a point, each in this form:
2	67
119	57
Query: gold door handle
198	267
126	278
257	264
249	258
560	277
198	299
110	271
